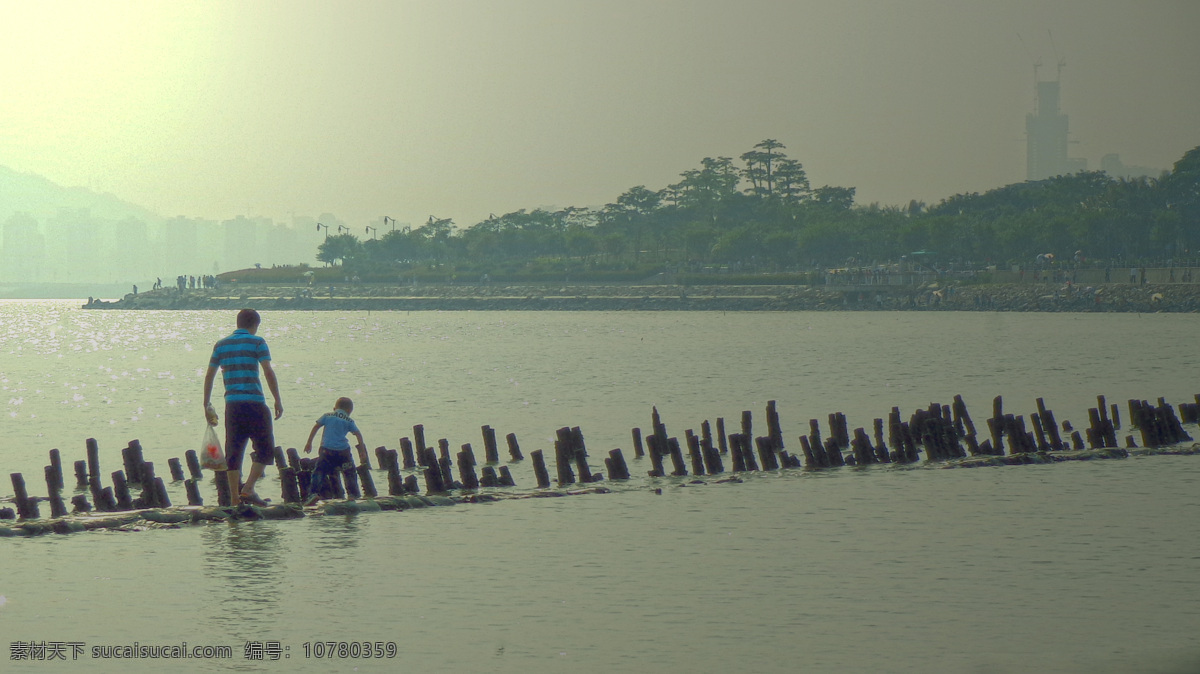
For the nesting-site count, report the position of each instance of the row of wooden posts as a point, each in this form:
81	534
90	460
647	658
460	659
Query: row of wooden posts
943	432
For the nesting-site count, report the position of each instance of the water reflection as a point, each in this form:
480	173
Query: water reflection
245	565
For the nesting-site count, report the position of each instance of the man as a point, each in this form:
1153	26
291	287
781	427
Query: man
239	356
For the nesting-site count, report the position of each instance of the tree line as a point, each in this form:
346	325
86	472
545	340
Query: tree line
763	215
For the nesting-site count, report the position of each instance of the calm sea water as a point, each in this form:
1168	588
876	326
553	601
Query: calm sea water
1065	568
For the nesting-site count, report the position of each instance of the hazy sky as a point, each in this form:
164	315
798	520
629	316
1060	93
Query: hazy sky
457	109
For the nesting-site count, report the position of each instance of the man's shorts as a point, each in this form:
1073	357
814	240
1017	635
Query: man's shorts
248	421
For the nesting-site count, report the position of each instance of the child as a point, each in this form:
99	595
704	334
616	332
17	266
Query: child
335	449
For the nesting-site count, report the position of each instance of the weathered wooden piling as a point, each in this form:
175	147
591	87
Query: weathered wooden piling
176	468
368	484
406	449
1049	425
445	463
539	469
81	477
488	478
695	455
722	438
419	438
193	464
466	468
53	477
192	487
766	452
121	491
506	479
656	453
56	467
747	424
677	462
26	507
491	453
79	504
746	447
617	469
638	451
563	456
395	483
222	484
579	452
514	449
712	457
93	459
774	431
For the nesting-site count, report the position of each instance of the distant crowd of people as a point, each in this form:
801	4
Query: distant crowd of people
183	282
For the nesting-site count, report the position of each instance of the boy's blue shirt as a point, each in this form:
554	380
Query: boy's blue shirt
335	426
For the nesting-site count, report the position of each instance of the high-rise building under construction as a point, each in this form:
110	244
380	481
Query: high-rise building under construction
1046	137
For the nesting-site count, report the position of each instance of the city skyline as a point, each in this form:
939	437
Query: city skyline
411	109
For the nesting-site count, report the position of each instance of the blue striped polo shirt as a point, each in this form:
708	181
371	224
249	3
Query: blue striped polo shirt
238	356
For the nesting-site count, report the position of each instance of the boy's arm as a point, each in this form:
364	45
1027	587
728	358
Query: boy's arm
311	434
361	443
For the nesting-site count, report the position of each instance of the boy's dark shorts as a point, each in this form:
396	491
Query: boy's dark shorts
251	421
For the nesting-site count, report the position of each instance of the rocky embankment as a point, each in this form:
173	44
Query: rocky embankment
1109	297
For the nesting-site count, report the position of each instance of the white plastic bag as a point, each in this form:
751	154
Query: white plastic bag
211	456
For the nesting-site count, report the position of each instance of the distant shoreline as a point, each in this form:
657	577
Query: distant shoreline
1050	297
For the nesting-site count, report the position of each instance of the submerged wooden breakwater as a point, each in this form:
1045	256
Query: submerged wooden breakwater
137	497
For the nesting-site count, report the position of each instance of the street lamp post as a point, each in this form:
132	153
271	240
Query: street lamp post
371	230
319	226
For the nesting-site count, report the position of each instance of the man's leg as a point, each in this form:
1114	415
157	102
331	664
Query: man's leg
256	471
235	486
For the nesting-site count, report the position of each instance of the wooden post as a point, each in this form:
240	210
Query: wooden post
487	477
514	450
656	454
466	468
766	452
1049	425
395	483
293	460
149	497
176	468
579	451
135	450
722	439
222	483
410	484
93	459
562	456
381	456
193	464
406	448
619	471
53	477
445	463
419	439
81	478
773	429
491	454
26	507
638	452
747	424
368	484
506	478
193	492
364	459
80	504
56	465
121	490
712	457
676	457
161	498
539	469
